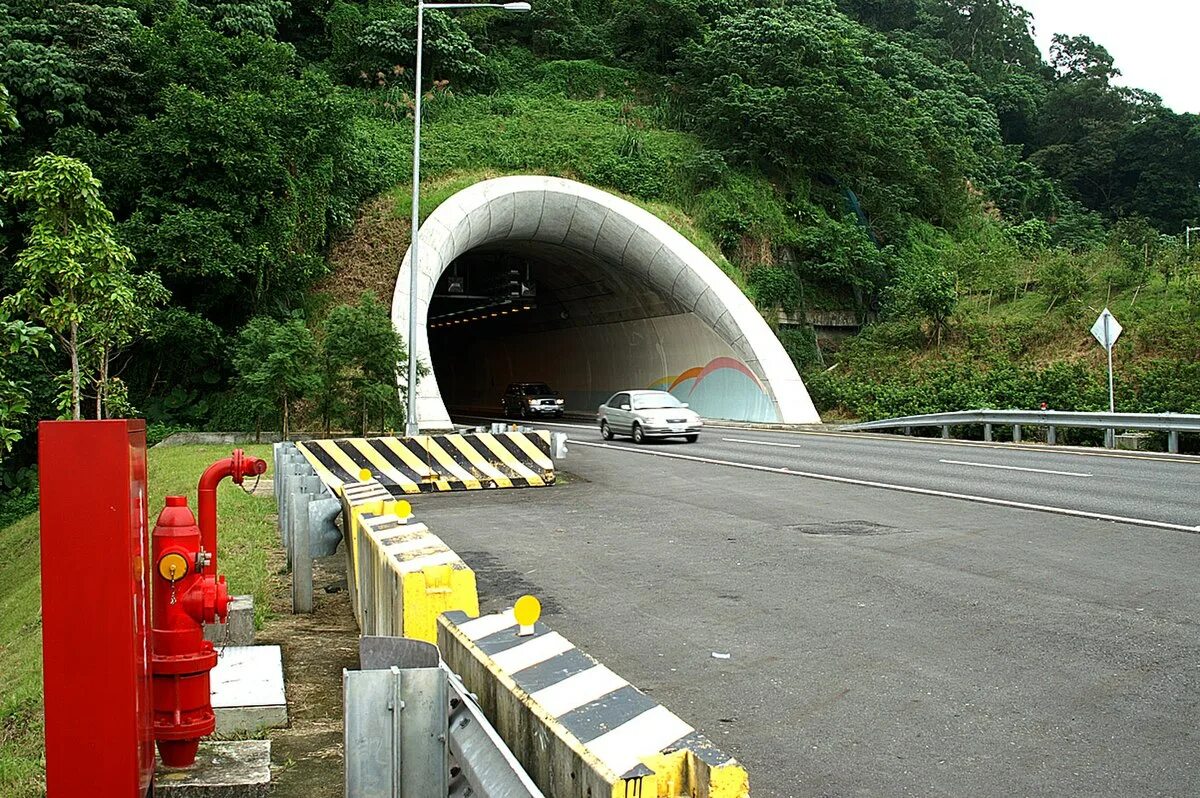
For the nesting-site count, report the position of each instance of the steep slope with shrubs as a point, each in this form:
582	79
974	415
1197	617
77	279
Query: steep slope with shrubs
915	162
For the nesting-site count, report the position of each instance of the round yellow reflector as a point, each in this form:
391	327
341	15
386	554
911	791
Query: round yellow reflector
527	610
364	475
173	567
403	509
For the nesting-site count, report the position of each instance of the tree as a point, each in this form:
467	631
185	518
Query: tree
927	291
363	355
276	364
74	275
8	119
17	339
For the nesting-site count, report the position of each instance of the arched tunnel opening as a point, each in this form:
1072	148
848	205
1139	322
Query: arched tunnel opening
532	312
532	279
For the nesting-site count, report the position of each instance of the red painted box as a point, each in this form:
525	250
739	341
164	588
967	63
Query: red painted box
95	608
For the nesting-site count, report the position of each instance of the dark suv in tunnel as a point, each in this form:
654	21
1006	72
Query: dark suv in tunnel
528	399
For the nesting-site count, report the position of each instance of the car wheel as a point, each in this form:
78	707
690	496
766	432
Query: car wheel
691	438
605	432
524	411
638	435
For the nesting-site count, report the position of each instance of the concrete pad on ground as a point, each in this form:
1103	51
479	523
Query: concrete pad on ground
223	769
247	689
238	630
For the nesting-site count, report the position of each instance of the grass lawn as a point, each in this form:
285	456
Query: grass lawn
246	532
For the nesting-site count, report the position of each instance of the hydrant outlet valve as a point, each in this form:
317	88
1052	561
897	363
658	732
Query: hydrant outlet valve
185	596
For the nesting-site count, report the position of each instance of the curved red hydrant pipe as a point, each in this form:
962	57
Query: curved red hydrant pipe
237	467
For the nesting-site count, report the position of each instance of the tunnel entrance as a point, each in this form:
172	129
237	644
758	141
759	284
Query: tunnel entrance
534	312
538	279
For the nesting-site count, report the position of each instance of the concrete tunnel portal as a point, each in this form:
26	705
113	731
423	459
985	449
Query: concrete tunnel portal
541	279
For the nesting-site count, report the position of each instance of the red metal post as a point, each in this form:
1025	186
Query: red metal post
236	467
95	608
186	595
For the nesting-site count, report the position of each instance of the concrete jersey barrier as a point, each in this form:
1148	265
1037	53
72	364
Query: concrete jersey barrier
401	576
432	463
580	730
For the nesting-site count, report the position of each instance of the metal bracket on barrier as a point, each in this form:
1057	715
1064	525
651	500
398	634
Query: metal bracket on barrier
395	733
399	743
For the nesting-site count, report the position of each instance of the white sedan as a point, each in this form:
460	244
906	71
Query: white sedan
648	414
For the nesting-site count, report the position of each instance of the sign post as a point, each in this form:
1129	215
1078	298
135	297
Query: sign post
1107	330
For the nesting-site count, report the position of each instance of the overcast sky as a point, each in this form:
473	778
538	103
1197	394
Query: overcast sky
1154	42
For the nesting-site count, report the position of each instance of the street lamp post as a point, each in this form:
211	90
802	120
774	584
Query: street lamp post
411	426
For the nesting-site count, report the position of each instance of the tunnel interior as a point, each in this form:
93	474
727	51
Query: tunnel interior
530	311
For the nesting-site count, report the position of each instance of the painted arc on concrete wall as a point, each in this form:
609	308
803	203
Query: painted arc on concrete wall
693	332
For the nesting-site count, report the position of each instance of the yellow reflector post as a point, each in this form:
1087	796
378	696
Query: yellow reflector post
526	611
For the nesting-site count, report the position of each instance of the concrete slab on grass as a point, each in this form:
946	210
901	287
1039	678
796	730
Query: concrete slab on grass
238	629
223	769
247	689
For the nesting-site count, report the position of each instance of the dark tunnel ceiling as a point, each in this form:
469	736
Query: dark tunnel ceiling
573	289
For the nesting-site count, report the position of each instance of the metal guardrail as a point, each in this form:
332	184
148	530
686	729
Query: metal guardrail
1170	423
412	730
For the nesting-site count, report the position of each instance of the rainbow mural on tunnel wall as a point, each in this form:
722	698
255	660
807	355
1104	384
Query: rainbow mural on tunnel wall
723	388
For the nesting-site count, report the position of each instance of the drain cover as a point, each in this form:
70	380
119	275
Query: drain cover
846	528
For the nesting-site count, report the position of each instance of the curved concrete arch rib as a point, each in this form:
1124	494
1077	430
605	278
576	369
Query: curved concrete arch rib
749	375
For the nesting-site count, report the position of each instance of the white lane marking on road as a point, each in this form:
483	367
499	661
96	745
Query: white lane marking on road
904	488
1015	468
767	443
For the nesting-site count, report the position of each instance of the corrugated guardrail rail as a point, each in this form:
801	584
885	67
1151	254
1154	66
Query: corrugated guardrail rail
432	463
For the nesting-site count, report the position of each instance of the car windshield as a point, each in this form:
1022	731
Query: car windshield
655	401
535	388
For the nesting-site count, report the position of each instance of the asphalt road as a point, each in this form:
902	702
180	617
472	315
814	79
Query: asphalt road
1152	489
882	642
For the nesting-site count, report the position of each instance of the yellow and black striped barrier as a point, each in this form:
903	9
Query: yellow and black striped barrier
578	728
433	463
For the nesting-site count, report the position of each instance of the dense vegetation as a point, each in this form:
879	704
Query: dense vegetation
916	161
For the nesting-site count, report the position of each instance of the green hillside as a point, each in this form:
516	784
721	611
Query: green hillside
916	162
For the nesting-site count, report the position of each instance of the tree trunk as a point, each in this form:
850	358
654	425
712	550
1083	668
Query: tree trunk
102	386
74	347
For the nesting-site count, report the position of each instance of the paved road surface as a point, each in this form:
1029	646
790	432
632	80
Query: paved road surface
1156	489
881	642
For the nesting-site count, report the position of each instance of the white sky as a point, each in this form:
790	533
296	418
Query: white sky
1155	43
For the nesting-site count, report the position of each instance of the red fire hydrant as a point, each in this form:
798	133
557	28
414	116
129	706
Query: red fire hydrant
186	595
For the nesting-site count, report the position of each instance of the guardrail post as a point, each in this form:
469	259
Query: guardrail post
945	430
987	432
1016	433
1051	435
1110	438
1173	441
908	430
302	570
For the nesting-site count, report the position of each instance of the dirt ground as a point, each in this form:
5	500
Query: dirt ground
307	755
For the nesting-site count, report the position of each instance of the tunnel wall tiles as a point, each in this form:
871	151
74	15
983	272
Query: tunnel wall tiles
724	388
588	364
626	236
434	463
